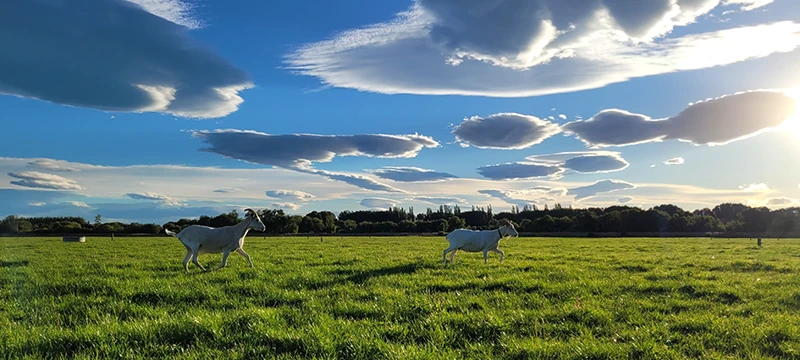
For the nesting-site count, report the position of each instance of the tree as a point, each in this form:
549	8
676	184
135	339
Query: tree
10	225
98	220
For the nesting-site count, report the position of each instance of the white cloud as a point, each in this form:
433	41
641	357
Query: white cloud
781	202
515	48
625	200
440	200
37	204
747	5
761	187
675	161
286	206
709	122
227	190
519	170
379	203
290	195
78	204
410	174
299	151
295	150
51	165
562	117
154	196
504	131
140	63
555	165
602	186
176	11
35	179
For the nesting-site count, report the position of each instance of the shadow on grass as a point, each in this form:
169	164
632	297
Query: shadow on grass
9	264
361	276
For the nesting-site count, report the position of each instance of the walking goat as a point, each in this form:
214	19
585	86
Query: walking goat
199	239
478	240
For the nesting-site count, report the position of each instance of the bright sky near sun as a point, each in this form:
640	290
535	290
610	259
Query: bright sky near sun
153	110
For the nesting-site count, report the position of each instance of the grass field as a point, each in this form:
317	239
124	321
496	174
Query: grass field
391	298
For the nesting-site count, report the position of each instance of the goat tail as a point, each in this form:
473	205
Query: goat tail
170	233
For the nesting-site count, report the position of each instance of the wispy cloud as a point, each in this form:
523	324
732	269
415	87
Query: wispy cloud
760	187
141	63
602	186
675	161
35	179
290	195
78	204
440	200
379	203
154	196
411	174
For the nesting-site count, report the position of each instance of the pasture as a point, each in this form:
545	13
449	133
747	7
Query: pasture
391	298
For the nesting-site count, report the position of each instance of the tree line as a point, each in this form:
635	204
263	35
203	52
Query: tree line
726	217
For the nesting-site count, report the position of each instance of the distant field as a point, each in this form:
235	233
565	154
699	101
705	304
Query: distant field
391	298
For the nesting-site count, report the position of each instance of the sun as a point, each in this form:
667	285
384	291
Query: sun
792	124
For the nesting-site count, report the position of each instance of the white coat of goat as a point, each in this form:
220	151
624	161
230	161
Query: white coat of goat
478	241
199	239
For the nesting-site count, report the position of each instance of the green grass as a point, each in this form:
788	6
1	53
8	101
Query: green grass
391	298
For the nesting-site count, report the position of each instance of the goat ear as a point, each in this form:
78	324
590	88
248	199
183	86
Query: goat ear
249	212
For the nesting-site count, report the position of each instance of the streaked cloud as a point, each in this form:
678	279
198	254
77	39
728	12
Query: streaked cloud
675	161
504	131
625	199
710	122
379	203
155	197
410	174
227	190
748	5
440	200
290	195
760	187
140	63
51	165
602	186
556	165
285	206
36	179
78	204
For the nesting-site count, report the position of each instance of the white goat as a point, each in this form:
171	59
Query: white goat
199	239
478	240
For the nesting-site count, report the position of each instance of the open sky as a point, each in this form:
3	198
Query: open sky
152	110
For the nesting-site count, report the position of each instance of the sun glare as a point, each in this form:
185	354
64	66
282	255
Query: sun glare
793	123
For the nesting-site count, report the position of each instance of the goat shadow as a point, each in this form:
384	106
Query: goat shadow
361	276
9	264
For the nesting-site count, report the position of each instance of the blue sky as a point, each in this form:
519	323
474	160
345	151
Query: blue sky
362	104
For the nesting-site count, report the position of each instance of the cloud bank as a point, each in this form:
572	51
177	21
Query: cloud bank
517	48
709	122
122	57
